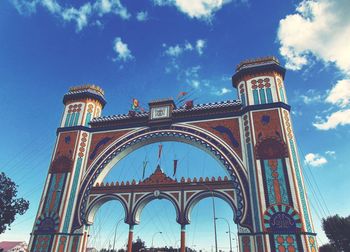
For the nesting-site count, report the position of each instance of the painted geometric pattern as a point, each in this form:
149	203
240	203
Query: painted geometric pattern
55	192
281	219
42	243
62	244
72	194
312	243
275	182
284	243
47	222
246	244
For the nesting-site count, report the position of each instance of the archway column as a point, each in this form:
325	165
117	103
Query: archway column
183	238
131	234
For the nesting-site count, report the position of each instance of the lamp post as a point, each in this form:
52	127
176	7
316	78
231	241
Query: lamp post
115	232
229	231
154	236
214	214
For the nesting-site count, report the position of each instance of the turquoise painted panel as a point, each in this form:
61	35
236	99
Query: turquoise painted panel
300	186
49	193
252	184
281	180
88	118
72	195
262	96
67	120
269	95
71	121
76	119
256	97
243	99
282	95
59	192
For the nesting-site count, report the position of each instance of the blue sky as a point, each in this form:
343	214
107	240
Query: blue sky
155	49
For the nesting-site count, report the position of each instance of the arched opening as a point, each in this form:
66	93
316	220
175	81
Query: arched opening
107	228
202	225
158	227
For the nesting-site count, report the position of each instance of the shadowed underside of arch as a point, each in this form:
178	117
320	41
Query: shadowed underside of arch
124	145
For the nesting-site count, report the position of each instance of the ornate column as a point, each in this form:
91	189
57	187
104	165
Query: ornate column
131	233
183	238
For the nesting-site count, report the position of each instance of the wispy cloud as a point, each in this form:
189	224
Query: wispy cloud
142	16
178	49
80	15
122	50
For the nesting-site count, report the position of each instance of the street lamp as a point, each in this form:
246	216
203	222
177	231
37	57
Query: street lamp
235	239
229	231
115	231
154	236
214	217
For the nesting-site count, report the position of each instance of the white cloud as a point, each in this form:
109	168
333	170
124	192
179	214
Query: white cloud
340	117
142	16
340	93
178	49
315	160
200	44
330	153
81	15
319	28
174	51
194	83
311	96
200	9
122	50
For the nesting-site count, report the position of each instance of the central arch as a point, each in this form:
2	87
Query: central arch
202	139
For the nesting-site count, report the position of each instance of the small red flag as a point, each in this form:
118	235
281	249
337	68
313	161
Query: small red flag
160	150
175	166
181	94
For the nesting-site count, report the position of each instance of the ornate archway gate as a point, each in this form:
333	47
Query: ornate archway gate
252	138
184	195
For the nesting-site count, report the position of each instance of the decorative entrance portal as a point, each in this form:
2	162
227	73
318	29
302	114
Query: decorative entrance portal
251	137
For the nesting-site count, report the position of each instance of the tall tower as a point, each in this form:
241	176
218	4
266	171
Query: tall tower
52	228
282	220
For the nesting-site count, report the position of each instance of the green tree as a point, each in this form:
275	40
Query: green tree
9	204
327	248
337	230
139	244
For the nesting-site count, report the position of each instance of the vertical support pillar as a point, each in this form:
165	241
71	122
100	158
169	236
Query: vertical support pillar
183	238
131	233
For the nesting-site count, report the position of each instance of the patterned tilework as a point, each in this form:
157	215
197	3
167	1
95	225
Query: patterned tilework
42	243
72	195
62	244
246	246
251	172
285	243
75	244
298	173
275	182
55	191
312	243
